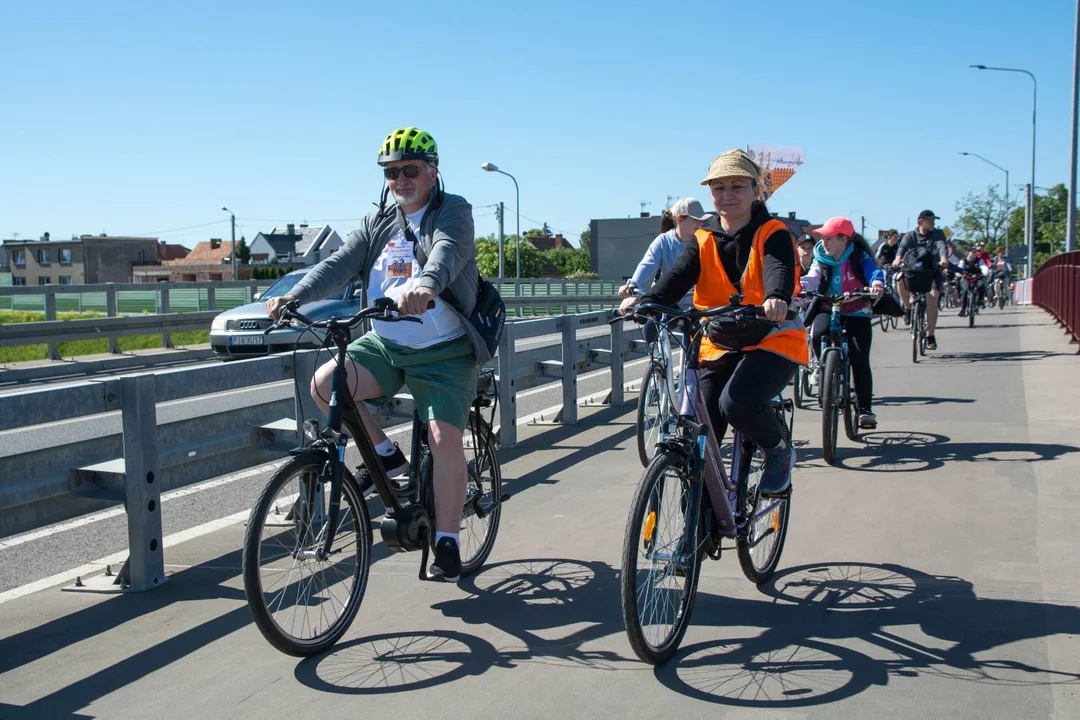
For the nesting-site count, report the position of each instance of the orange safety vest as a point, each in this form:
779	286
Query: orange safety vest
714	289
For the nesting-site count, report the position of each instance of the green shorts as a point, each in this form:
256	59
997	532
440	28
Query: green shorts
442	378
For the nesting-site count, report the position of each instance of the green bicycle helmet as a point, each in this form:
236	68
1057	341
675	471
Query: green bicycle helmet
408	143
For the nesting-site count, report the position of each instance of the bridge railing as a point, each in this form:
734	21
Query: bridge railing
57	473
1056	288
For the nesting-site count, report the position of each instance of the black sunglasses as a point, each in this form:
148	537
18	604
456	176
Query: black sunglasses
409	171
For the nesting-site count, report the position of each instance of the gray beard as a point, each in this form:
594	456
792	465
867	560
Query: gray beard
405	198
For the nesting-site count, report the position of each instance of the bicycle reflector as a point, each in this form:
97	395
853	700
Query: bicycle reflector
650	526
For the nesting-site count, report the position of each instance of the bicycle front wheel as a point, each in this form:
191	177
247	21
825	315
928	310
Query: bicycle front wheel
650	412
798	390
661	559
301	598
830	404
916	335
972	308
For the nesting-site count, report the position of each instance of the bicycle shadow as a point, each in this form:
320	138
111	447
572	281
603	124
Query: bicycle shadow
991	356
894	451
795	661
898	401
550	608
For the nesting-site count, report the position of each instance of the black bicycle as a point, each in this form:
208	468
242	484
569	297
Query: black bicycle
971	296
308	544
687	504
919	283
837	391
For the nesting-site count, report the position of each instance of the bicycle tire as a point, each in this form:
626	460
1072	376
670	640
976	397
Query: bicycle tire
915	333
647	500
883	321
830	398
972	309
746	543
650	397
483	497
851	424
797	391
253	559
922	330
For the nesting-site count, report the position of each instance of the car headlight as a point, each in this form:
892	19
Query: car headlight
218	323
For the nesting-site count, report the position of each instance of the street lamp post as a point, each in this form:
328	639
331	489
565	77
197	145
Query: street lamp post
1008	203
1031	206
232	218
491	167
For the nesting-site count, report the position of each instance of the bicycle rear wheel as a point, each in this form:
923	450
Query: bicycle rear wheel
661	560
797	392
883	320
302	601
760	546
650	412
482	510
830	404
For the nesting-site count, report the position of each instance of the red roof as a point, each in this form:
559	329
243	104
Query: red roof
165	251
206	254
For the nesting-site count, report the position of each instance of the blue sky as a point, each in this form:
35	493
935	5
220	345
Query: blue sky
139	117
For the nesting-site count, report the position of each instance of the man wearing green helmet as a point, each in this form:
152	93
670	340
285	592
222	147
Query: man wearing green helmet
414	252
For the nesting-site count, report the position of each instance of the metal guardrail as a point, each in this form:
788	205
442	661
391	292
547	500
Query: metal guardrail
57	480
545	299
1056	289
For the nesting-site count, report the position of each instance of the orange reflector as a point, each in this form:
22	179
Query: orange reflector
650	526
776	520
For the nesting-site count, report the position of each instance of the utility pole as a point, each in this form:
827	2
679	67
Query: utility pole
235	259
1029	214
1070	231
499	212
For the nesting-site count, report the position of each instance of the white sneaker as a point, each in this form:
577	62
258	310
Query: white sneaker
815	377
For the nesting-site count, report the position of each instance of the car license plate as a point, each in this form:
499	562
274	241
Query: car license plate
246	340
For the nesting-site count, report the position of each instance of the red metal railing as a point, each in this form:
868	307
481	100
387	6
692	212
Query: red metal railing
1056	289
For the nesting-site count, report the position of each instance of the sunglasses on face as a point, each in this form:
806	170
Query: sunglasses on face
409	171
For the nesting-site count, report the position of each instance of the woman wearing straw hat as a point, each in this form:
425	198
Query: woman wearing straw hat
744	250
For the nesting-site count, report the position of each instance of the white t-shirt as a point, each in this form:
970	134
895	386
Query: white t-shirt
396	270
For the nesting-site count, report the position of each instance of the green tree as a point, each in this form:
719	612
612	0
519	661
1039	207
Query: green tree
982	218
585	240
243	252
533	232
1051	210
568	260
487	257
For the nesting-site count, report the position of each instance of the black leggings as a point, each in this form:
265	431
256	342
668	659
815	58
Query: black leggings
739	388
860	333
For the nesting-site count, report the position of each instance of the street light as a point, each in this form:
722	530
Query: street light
232	217
491	167
1008	203
1031	205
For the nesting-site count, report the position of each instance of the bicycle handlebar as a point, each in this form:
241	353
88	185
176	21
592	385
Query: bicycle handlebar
864	294
384	307
643	311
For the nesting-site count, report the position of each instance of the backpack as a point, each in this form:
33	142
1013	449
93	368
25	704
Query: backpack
489	314
919	257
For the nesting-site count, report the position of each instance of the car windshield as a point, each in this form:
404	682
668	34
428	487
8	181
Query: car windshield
287	283
282	286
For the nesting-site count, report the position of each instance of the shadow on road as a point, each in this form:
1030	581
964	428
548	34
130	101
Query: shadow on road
912	451
919	400
959	358
795	661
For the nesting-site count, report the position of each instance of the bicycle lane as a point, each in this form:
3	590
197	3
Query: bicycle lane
886	600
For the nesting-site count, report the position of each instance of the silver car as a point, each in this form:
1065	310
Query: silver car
239	332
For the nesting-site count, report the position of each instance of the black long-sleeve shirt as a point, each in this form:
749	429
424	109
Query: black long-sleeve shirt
734	250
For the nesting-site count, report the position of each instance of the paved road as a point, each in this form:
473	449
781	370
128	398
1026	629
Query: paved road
933	573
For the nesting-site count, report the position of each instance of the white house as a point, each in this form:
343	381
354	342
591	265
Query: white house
299	244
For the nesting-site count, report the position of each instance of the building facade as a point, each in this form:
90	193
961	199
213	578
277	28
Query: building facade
88	259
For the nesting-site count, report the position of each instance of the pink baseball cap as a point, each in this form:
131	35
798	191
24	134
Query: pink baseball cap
836	226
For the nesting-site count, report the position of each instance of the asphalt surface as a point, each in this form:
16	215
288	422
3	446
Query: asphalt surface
931	573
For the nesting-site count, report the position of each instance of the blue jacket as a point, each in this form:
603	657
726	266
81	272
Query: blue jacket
660	256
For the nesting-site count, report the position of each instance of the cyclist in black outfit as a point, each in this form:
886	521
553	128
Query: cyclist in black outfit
886	252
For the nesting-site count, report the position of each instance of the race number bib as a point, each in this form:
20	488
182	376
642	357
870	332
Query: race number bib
399	259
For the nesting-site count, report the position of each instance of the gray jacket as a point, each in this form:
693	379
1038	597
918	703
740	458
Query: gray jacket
447	238
912	239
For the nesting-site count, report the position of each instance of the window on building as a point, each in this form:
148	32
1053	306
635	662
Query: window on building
19	258
65	279
18	281
65	256
43	256
43	281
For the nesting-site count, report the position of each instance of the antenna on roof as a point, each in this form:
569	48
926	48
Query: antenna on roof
645	204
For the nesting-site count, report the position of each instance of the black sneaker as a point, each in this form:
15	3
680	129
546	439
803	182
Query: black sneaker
907	316
776	479
447	565
394	465
931	342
